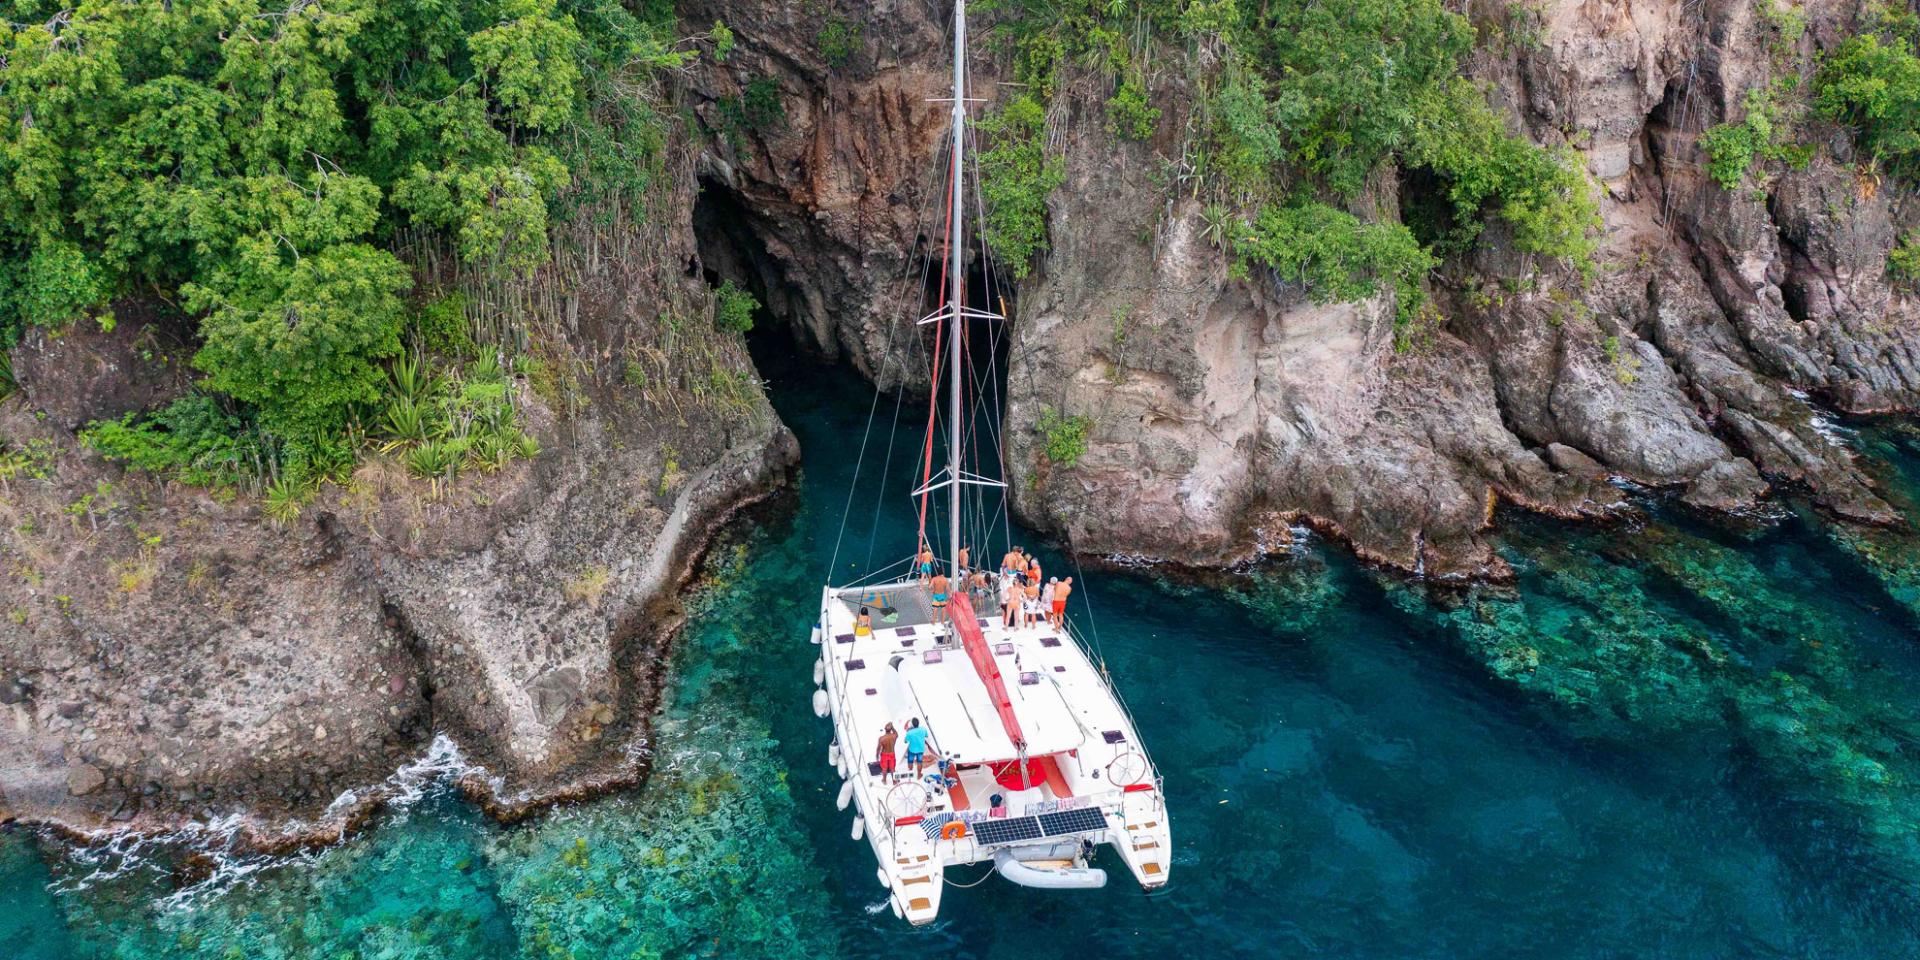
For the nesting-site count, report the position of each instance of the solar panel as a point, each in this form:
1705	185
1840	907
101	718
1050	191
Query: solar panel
1010	830
1072	821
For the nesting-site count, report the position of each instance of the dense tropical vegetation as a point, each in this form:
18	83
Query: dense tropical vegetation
1872	84
270	170
1299	105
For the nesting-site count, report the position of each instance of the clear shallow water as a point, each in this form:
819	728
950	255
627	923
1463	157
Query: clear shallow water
1671	738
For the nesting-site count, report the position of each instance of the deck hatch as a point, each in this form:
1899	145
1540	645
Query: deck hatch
843	638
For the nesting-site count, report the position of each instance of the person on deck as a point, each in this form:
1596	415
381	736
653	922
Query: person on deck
916	737
979	588
1007	561
937	589
961	564
1060	594
863	624
1031	607
1046	599
884	753
1009	599
926	563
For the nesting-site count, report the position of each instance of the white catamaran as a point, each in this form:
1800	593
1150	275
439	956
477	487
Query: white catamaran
1032	761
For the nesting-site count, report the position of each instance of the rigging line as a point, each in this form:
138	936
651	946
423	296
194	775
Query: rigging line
939	331
996	283
866	432
899	396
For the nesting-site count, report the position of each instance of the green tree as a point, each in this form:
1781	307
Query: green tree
299	338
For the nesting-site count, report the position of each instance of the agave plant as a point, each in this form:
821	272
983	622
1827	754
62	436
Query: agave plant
435	459
491	450
404	423
286	497
486	369
412	378
524	445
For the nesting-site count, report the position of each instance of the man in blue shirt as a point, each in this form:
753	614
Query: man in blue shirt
916	737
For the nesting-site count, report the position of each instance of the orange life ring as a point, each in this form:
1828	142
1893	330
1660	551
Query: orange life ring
953	830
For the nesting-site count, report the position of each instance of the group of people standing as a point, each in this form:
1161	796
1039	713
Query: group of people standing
1024	599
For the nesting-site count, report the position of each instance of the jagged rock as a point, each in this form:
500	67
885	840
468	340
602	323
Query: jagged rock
83	779
554	693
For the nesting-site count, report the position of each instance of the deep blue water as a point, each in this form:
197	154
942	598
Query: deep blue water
1674	737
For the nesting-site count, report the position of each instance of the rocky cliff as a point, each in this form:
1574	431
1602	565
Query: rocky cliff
1698	354
173	654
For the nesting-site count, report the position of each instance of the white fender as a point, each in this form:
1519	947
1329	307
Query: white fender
816	634
846	794
819	703
833	754
819	672
859	827
840	765
881	872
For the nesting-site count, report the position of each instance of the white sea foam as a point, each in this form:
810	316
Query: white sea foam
112	854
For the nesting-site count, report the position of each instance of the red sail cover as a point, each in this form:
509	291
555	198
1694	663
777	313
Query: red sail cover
968	626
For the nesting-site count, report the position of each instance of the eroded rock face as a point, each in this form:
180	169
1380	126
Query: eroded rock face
835	194
1692	358
171	653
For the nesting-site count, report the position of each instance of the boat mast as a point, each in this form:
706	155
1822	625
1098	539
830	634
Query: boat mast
956	280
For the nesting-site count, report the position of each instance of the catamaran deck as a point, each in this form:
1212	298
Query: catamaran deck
1081	745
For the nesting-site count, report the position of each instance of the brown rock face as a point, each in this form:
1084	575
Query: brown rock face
1691	358
170	652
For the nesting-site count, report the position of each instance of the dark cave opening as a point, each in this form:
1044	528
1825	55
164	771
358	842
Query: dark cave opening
1426	210
731	248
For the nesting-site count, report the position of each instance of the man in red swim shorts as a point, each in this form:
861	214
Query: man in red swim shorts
885	753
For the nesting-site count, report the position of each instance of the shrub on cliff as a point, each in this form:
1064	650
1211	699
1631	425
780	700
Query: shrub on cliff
1015	177
1335	257
1337	89
1872	83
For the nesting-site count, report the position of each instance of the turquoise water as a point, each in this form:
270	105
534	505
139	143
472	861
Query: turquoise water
1672	737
